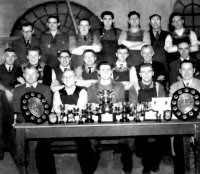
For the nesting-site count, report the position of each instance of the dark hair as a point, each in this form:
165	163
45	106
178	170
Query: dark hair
133	13
26	25
146	65
104	63
83	19
122	47
9	50
186	61
33	48
107	13
89	51
153	15
147	46
53	16
28	66
170	26
63	51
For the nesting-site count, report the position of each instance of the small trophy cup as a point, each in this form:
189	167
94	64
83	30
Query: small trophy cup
62	114
89	114
125	111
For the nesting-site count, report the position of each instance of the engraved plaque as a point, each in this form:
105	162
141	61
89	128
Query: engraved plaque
34	107
185	103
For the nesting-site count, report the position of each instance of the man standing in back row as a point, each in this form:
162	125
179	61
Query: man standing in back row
53	41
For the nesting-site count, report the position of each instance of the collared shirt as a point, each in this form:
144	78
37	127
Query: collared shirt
182	59
187	83
121	64
63	68
34	85
81	103
9	67
93	67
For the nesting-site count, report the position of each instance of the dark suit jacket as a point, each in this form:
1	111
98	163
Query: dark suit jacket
158	46
20	47
174	69
8	78
50	46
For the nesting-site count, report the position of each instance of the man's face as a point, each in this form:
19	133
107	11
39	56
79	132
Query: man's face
147	54
30	75
84	27
27	32
107	21
184	49
69	79
64	59
146	73
187	71
105	72
53	24
10	58
33	57
155	22
134	21
122	54
89	58
177	22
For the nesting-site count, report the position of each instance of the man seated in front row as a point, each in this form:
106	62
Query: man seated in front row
30	75
70	94
89	153
150	149
186	71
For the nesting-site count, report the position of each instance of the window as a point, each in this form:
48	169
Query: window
38	15
190	9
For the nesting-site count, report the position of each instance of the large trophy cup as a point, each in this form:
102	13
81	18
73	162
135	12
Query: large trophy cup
106	106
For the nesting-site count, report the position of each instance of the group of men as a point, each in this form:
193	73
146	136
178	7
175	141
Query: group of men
71	70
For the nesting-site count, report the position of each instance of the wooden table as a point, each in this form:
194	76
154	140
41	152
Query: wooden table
26	132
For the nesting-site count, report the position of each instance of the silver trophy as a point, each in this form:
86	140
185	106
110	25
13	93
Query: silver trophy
105	97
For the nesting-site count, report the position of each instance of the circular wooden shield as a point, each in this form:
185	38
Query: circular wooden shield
35	108
185	103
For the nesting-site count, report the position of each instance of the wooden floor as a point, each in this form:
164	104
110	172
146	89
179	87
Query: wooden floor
109	164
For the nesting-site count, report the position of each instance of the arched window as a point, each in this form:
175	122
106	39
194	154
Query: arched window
38	15
190	9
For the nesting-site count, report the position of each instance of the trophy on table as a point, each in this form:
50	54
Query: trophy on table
106	106
125	111
88	113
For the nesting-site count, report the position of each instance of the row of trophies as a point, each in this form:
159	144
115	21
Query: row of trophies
105	111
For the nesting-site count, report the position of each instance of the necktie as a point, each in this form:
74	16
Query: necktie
89	69
187	84
28	43
85	38
157	35
9	69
